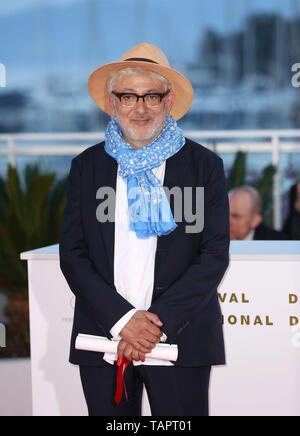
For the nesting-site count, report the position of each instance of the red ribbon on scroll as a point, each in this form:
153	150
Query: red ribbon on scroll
122	364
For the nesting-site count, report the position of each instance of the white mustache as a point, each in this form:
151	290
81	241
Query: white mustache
136	117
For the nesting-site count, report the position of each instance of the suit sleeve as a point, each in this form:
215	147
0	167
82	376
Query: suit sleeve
104	304
189	295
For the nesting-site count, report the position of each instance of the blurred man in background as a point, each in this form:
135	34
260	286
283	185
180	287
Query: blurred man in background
246	219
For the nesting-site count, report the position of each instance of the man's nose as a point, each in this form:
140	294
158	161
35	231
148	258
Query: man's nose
141	107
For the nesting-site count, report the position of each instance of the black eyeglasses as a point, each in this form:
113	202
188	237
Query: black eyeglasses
129	99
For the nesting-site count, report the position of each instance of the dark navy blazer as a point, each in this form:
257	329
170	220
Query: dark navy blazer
188	266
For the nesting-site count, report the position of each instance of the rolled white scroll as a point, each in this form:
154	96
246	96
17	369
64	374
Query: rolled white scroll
104	345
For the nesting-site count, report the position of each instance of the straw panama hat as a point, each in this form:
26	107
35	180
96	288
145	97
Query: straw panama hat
149	57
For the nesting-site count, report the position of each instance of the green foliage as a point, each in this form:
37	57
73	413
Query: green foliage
264	186
3	198
238	177
30	218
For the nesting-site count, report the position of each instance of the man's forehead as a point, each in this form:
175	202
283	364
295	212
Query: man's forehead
241	202
133	81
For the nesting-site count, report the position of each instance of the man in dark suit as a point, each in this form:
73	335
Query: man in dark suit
246	216
141	248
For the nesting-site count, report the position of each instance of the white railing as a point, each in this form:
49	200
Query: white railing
220	141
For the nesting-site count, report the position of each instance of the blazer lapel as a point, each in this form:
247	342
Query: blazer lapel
105	168
173	178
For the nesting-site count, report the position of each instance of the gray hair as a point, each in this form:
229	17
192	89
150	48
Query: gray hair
253	194
129	70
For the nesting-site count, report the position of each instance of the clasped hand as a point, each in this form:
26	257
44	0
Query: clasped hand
139	336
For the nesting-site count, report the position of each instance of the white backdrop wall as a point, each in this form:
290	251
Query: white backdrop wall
260	300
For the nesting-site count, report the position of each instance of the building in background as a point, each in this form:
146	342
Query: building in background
239	63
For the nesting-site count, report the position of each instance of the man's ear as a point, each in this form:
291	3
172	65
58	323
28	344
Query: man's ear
171	99
111	104
256	220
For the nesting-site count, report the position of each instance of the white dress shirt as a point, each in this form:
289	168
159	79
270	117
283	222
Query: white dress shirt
134	260
250	236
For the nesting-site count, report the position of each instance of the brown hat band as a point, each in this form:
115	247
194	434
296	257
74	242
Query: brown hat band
140	60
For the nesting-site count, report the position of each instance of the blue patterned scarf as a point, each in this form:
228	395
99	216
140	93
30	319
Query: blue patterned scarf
149	210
